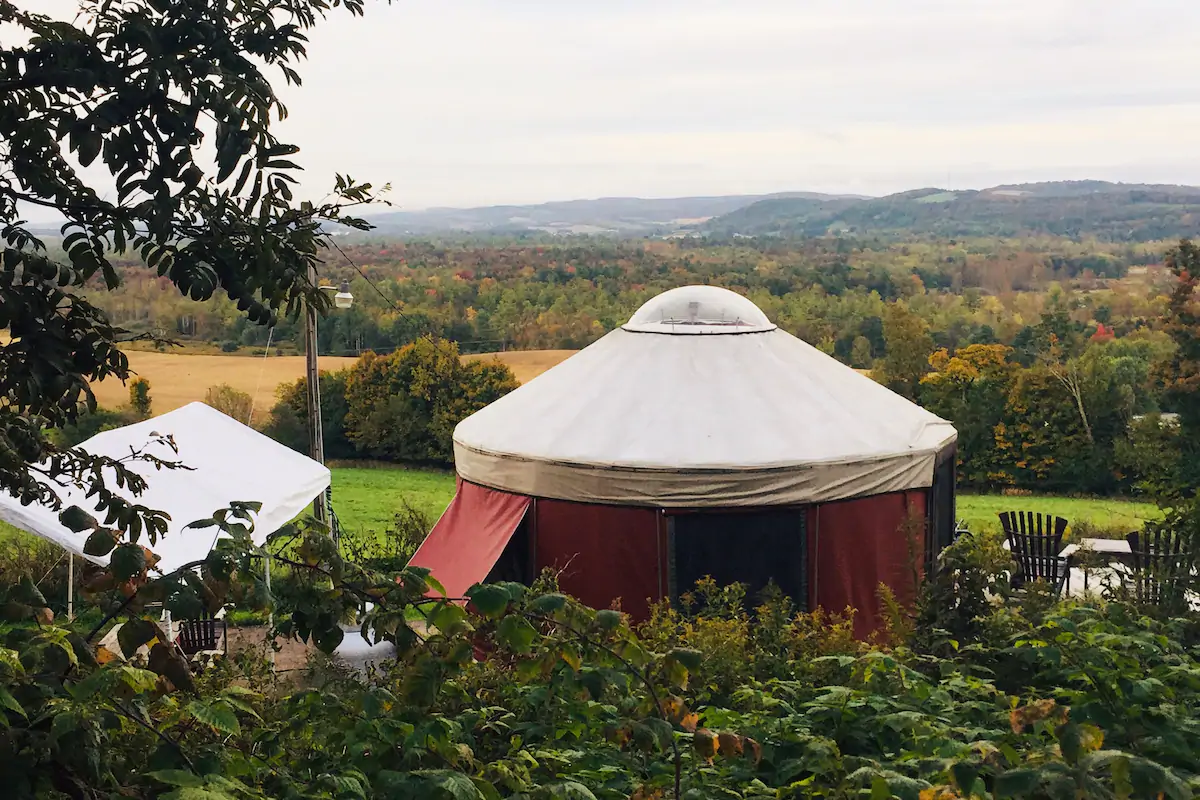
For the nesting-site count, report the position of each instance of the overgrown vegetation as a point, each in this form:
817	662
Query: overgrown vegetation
526	694
400	407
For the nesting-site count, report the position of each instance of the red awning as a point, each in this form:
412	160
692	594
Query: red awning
467	541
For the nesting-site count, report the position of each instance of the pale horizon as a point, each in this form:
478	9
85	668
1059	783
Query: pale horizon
468	104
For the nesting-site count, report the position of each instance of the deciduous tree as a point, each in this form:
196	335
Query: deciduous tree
908	348
147	125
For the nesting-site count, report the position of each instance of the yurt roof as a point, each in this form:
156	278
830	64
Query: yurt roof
743	414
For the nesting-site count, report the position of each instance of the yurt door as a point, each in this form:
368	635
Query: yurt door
753	548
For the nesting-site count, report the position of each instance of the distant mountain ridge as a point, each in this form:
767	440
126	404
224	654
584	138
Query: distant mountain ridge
612	215
1110	211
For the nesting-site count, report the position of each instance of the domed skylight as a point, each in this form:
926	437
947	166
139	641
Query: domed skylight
699	309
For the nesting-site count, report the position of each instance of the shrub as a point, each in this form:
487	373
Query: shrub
390	550
229	347
139	397
288	421
404	406
230	401
89	424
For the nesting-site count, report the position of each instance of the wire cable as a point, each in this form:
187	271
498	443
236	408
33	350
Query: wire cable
370	282
258	384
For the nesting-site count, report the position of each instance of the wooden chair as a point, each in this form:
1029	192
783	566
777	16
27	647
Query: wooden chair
198	635
1036	541
1162	565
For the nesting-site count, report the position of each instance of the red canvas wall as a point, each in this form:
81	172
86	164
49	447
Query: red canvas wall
855	545
604	552
466	542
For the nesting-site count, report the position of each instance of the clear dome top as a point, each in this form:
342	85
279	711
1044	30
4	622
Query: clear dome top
699	310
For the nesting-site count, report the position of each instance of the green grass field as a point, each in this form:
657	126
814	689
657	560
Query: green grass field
366	499
1115	517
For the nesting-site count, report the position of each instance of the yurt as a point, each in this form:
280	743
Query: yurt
697	440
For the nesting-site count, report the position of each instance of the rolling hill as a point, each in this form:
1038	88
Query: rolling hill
1076	209
609	215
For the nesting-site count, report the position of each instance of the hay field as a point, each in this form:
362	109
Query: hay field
177	379
527	364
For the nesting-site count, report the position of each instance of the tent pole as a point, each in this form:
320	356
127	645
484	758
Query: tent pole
71	587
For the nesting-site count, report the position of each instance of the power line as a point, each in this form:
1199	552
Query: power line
370	282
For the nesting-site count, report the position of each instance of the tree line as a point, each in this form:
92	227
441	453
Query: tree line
566	294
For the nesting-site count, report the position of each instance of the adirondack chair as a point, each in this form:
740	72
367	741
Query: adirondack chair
198	635
1162	564
1036	541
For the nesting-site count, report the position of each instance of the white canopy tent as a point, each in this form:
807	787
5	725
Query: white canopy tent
228	461
700	401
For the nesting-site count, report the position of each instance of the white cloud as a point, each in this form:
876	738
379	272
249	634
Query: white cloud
469	102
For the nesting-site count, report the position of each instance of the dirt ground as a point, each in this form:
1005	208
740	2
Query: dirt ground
293	655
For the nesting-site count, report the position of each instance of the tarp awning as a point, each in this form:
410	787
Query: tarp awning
228	462
467	541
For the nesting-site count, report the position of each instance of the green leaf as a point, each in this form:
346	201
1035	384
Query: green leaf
218	715
448	618
176	777
328	640
134	634
964	775
10	702
880	789
27	593
1016	782
100	542
488	791
127	561
490	601
548	603
451	784
1076	741
569	790
691	659
1149	778
76	520
516	633
184	603
608	620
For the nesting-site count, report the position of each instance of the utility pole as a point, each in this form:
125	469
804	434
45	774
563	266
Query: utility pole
316	435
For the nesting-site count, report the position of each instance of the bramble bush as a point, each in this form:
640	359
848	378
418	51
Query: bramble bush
524	693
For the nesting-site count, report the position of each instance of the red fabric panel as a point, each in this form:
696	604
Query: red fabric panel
859	544
603	552
466	542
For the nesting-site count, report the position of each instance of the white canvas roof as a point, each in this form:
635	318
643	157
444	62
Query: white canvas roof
229	462
745	414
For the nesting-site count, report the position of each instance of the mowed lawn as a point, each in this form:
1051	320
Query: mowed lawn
367	498
1118	517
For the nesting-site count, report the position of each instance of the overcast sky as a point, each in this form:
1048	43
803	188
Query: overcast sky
470	102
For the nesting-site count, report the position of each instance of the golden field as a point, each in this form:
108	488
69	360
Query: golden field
177	379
